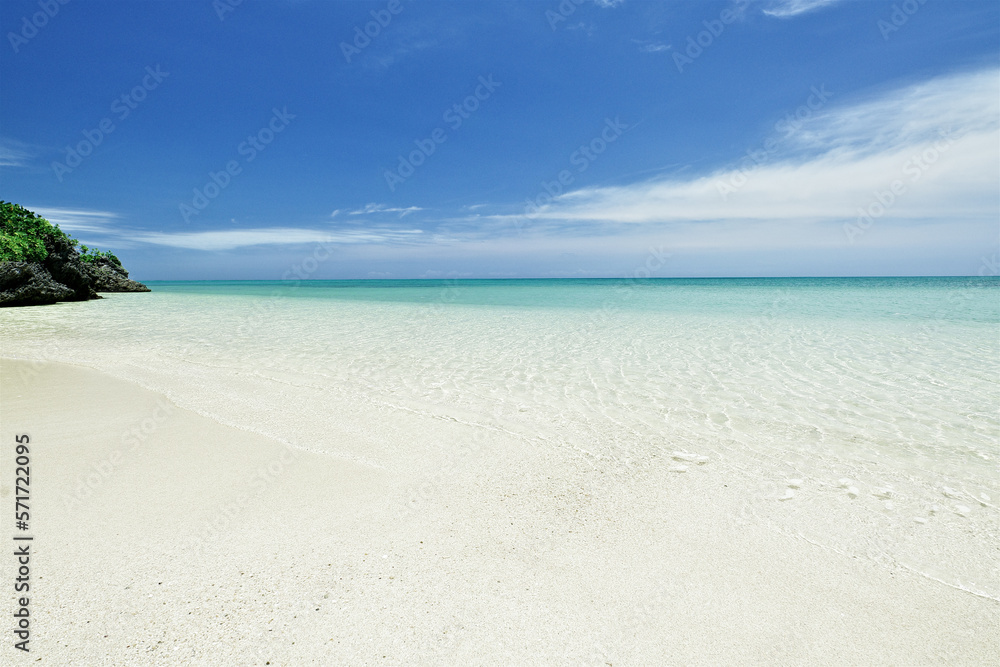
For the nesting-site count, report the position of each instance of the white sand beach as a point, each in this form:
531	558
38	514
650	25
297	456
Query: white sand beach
504	556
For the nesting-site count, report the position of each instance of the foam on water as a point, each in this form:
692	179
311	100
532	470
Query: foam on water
860	414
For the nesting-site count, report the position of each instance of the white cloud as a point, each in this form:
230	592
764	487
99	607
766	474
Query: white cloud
652	47
837	162
382	208
239	238
103	225
77	220
14	153
783	9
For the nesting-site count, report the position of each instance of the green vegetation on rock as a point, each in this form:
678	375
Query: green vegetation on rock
23	234
23	237
91	255
40	264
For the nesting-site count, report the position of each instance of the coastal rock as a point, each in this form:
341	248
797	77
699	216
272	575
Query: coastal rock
66	267
107	276
29	284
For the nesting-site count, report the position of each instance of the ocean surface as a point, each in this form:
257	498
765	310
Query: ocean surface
860	414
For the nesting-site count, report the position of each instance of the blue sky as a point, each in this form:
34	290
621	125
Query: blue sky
262	140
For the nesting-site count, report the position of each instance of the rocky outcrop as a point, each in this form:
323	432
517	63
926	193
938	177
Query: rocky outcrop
66	267
40	263
62	276
30	284
107	276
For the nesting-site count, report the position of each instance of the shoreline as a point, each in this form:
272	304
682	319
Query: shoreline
317	554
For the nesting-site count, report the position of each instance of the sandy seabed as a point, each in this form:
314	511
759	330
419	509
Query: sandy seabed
192	542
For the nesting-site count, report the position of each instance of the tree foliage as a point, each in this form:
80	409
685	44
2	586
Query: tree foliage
91	255
24	235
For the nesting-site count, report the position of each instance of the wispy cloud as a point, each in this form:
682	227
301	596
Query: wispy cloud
239	238
586	27
14	153
106	227
651	47
385	59
78	220
784	9
938	137
382	208
235	238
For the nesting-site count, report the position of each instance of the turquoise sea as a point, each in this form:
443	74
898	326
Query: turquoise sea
949	297
859	413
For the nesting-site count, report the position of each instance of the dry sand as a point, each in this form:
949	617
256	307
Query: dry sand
199	543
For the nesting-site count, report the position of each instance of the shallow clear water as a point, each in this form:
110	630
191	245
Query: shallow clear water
861	414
